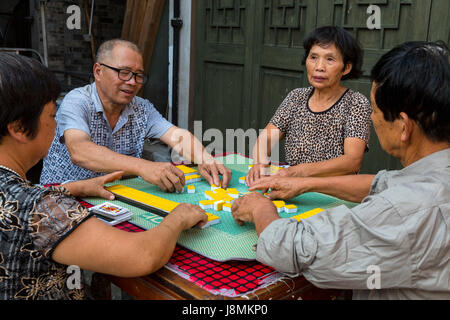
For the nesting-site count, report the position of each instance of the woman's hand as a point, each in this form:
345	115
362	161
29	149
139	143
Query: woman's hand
281	187
189	215
256	172
94	187
294	171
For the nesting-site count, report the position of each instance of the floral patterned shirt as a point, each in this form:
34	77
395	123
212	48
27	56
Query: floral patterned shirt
33	221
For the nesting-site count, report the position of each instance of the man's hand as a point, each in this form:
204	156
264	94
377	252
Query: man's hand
281	187
255	208
94	187
189	215
256	172
163	174
189	147
210	171
243	209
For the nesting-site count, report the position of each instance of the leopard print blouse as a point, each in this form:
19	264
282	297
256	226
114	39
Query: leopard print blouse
319	136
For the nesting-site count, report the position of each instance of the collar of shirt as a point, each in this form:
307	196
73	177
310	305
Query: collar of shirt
99	108
423	167
435	161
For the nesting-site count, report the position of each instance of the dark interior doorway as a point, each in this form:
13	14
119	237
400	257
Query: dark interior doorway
15	32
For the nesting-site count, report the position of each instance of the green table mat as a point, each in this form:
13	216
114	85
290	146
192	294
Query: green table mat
226	240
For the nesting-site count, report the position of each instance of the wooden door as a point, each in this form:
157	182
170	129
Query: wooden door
224	64
249	53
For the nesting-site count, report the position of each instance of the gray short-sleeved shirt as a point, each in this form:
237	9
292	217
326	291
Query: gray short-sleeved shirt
401	228
82	109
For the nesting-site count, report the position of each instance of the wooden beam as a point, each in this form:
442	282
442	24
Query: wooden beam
141	24
128	18
150	28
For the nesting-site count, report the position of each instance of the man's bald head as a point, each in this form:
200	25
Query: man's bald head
106	48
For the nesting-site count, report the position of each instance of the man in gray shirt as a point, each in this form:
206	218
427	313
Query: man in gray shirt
396	243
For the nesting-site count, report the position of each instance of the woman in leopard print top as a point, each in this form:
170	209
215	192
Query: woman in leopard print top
326	126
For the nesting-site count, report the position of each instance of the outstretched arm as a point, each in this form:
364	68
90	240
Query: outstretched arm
95	246
350	188
349	163
85	153
189	147
94	187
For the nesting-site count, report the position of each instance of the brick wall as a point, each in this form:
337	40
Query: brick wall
67	49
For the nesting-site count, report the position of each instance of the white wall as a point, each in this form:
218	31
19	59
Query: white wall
184	63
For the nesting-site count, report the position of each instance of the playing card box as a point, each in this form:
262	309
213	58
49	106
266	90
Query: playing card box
111	213
113	222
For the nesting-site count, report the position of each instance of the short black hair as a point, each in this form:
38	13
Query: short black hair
414	78
25	87
348	46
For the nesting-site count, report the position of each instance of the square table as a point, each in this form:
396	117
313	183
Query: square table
191	275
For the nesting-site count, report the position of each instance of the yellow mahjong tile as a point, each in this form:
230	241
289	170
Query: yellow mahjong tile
233	195
190	189
307	214
274	169
280	205
192	178
209	194
187	170
206	204
218	197
290	208
214	187
156	202
228	198
143	197
218	205
220	191
212	220
232	191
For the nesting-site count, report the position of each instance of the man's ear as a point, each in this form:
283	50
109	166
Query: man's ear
17	132
96	69
408	126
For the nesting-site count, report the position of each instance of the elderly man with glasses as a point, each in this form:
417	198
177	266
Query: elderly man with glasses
102	128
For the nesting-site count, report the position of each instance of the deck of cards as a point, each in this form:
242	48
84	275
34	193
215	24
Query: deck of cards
111	214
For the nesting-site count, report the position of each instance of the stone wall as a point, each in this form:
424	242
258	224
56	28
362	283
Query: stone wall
68	50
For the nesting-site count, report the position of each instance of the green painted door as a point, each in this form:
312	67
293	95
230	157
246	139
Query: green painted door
249	52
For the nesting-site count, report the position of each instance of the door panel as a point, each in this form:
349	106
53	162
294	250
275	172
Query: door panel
223	92
401	20
223	64
249	53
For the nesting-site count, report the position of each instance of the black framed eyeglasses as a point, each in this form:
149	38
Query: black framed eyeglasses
126	75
